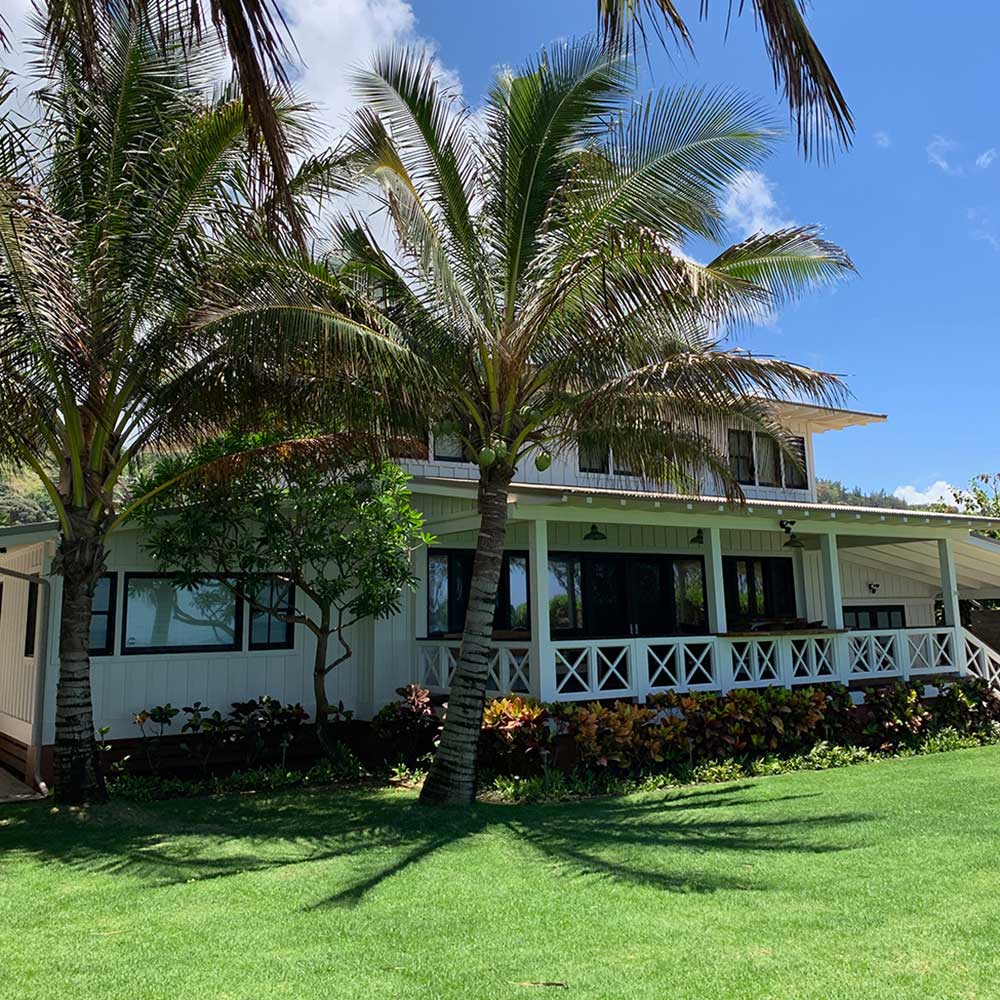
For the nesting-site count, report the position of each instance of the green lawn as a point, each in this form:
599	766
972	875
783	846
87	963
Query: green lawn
876	881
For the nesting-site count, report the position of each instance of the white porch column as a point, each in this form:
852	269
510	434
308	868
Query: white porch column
715	607
949	583
420	597
949	599
542	661
833	606
715	594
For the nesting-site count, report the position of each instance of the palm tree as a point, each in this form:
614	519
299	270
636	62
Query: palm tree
117	210
815	100
534	286
255	35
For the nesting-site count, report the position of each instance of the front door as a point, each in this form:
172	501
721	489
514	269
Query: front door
605	600
649	597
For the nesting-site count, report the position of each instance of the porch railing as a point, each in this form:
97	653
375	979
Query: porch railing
587	669
510	667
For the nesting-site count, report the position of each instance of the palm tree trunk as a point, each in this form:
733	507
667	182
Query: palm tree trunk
80	562
452	777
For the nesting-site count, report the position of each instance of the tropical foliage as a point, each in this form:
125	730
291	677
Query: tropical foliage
537	288
322	545
123	207
815	101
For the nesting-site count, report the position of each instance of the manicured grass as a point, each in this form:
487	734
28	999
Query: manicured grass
878	881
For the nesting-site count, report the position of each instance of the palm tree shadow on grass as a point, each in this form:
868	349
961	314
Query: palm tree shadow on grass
653	841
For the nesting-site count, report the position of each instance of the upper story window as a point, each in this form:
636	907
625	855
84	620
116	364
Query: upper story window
160	617
449	448
601	460
755	459
102	616
594	458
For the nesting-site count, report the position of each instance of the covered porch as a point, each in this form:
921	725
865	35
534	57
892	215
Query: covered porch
700	594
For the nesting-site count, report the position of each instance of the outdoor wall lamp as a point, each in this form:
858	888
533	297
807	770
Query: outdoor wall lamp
595	535
794	542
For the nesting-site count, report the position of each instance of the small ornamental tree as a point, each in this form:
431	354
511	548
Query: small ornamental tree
295	540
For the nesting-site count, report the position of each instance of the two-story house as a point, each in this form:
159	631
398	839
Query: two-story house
612	587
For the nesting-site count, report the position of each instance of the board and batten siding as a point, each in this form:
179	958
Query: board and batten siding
17	671
124	685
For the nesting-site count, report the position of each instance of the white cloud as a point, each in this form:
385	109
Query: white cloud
750	206
937	492
982	227
882	139
335	37
985	159
939	151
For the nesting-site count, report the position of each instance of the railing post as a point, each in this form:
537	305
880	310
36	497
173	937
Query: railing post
903	660
840	651
722	658
543	665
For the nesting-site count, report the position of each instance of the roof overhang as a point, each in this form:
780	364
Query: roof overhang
826	418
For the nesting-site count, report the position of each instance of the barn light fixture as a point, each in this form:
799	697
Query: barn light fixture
595	535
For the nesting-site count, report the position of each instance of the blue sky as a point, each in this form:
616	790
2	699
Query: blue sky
915	201
916	331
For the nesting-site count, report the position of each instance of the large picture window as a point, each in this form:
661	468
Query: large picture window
449	574
758	588
160	617
266	630
102	616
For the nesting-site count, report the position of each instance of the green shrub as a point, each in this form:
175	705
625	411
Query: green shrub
894	715
715	771
407	728
518	734
966	705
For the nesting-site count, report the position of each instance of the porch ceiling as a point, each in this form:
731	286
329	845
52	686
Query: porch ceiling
977	563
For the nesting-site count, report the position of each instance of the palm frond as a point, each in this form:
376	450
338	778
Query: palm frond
820	110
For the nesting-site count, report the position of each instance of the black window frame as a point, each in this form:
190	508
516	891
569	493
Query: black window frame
590	470
666	561
789	469
235	647
462	459
460	563
744	476
289	641
790	477
31	620
770	586
111	616
873	609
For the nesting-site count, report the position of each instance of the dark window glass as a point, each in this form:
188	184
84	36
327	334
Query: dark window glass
741	457
449	575
605	598
887	616
31	622
437	592
449	448
768	461
796	477
517	597
565	594
160	617
758	588
102	616
267	631
689	595
593	458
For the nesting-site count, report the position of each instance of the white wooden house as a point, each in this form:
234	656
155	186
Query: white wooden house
612	588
